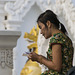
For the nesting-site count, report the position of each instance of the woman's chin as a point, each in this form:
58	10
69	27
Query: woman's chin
46	37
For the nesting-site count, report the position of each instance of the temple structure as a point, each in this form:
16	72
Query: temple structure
18	17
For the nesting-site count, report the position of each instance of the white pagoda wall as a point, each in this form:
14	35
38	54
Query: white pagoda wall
18	15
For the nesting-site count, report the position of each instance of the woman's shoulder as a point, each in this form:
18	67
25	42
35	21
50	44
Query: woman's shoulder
63	38
59	38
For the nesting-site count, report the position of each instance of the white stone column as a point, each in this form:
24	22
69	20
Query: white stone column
8	40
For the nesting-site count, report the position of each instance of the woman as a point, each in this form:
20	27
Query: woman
60	52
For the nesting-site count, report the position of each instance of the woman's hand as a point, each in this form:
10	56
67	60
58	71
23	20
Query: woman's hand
33	56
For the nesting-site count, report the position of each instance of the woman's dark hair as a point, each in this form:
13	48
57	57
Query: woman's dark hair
49	15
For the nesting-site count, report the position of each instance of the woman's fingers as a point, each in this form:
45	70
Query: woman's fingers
29	56
33	56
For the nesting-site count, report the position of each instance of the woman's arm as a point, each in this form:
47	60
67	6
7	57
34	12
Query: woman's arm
55	64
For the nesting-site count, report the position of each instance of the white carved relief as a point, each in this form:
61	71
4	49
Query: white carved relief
22	6
6	58
3	13
2	58
18	9
9	57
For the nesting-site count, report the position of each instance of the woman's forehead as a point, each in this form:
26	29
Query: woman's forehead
40	23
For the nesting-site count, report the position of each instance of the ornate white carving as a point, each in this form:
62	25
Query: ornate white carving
2	58
19	9
3	13
9	57
8	40
6	58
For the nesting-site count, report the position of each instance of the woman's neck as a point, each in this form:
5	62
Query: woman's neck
55	31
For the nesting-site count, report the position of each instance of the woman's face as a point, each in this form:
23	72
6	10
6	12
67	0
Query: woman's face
44	30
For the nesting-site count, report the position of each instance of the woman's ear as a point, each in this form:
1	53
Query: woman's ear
48	24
